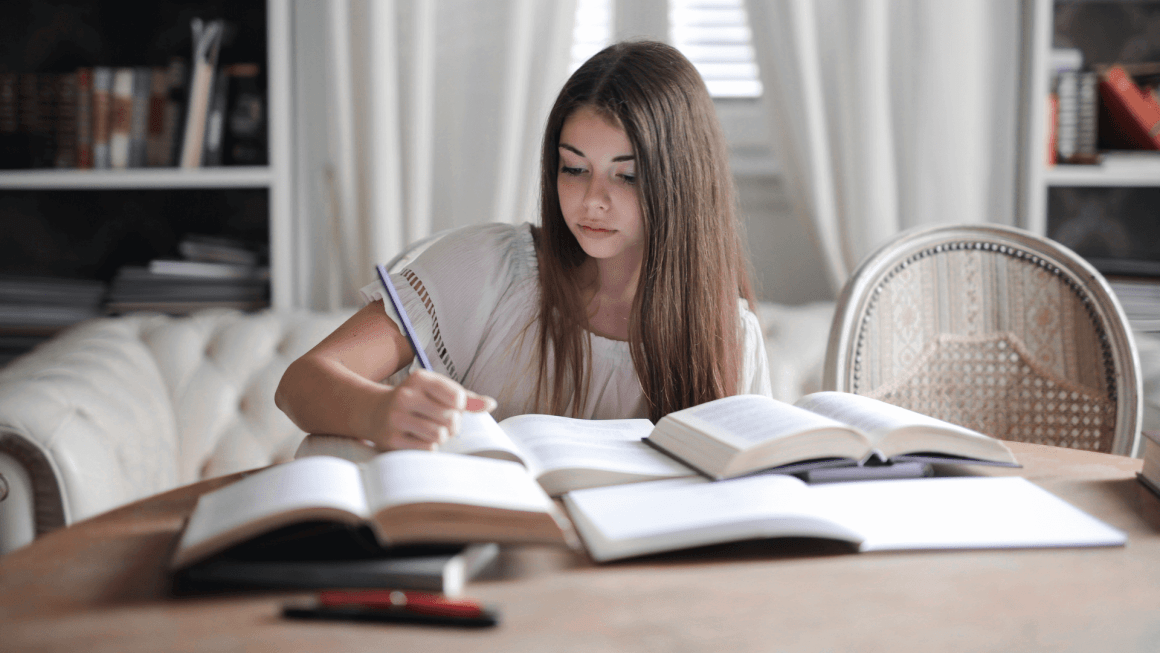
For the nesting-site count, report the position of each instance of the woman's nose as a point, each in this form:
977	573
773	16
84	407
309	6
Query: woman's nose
596	195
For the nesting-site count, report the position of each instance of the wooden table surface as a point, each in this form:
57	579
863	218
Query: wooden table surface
101	585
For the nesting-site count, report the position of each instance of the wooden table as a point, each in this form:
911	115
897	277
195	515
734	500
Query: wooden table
100	585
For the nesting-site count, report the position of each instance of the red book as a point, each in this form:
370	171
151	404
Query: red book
84	117
1133	119
1052	126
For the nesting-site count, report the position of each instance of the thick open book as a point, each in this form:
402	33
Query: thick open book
562	453
913	514
402	496
742	434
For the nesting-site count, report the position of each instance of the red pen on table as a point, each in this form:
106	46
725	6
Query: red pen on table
394	606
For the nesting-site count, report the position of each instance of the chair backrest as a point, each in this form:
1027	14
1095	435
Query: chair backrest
992	328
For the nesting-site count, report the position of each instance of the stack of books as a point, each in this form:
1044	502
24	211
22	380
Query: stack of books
1140	299
34	308
212	272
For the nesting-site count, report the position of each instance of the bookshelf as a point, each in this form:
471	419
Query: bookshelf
266	189
1126	169
1104	211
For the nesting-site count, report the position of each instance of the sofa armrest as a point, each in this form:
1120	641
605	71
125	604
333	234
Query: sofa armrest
89	421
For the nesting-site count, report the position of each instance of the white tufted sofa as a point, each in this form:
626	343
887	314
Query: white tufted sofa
116	409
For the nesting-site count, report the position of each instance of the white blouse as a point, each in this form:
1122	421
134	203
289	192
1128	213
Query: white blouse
471	295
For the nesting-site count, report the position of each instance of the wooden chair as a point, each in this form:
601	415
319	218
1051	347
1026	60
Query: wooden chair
993	328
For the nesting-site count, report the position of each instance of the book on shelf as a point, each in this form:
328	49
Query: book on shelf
37	305
84	118
208	269
1130	118
402	497
121	117
102	119
217	249
914	514
207	40
561	453
139	117
66	120
1149	474
156	145
37	98
11	150
245	142
175	109
742	434
325	556
215	119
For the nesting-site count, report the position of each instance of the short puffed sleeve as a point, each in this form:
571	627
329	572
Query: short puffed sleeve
755	366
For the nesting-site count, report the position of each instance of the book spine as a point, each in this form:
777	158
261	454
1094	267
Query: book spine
1087	118
84	96
156	150
206	43
10	152
245	142
66	120
102	104
36	105
139	120
1067	114
1052	129
215	120
1134	121
175	107
121	126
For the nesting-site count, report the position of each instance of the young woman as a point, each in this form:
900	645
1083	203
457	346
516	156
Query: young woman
631	299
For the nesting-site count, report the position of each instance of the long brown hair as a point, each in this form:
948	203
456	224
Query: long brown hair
684	329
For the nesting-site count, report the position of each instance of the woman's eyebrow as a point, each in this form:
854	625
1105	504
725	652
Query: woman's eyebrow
615	159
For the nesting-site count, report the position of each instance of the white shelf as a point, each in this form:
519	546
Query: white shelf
141	178
1116	169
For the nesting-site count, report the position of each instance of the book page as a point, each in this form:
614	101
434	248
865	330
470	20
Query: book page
480	435
274	497
747	420
960	513
876	418
627	520
613	447
410	477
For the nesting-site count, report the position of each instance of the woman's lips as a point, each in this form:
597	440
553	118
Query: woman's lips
596	231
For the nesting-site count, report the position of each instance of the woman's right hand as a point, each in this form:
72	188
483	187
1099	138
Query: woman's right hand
422	412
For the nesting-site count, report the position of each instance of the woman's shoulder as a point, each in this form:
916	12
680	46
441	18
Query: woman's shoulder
483	246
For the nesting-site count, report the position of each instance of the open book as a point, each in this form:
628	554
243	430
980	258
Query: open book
742	434
562	453
936	513
403	496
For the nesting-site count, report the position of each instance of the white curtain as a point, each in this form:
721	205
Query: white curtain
888	114
414	116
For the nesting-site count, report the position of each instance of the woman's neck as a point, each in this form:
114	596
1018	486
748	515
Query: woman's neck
608	287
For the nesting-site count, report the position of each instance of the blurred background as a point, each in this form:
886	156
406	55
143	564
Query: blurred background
172	156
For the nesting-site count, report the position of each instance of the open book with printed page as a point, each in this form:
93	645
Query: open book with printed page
913	514
562	453
744	434
402	497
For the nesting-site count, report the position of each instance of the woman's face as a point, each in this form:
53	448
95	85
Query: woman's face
597	188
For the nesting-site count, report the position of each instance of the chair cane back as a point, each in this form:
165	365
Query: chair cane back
993	328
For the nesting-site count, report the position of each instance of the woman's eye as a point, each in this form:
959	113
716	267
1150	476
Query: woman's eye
571	171
628	179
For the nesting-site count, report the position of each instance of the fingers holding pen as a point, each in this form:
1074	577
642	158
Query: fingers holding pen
424	411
